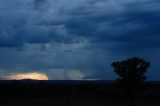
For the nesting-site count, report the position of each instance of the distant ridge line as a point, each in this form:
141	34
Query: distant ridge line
67	81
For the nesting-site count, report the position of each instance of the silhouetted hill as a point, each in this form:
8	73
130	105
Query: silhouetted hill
60	81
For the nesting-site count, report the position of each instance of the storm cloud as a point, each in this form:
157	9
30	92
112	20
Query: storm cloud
86	35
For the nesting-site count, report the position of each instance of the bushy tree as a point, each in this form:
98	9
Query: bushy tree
132	75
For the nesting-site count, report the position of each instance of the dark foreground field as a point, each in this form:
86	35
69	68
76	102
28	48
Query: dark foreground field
72	93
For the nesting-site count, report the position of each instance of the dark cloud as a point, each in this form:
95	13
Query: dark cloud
133	20
67	34
40	5
135	26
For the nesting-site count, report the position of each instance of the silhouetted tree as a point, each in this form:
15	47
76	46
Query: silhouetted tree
132	77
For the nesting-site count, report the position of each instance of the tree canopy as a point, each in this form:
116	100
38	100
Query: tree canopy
131	72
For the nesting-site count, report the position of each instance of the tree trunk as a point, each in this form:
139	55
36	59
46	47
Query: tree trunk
131	98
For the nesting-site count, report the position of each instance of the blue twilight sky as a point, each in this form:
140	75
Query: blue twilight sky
77	39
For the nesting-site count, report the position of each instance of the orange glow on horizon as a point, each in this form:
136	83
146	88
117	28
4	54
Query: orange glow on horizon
33	76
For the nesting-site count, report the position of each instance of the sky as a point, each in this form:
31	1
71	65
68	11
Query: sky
77	39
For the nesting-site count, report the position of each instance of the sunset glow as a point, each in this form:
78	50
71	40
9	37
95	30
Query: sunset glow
33	76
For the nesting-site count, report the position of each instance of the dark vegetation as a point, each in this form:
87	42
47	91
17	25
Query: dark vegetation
130	89
132	77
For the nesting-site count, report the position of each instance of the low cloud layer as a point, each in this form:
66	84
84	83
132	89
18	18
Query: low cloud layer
85	35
